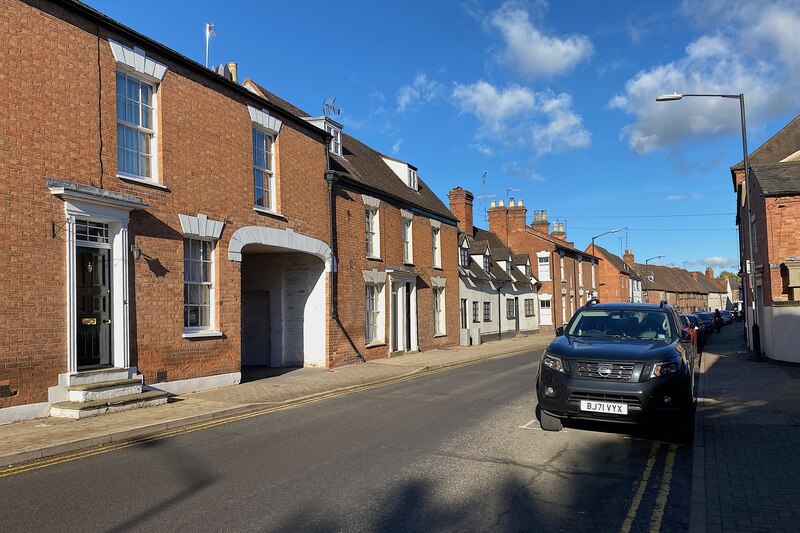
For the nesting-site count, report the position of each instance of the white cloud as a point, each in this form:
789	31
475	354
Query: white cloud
492	107
674	197
532	53
763	66
396	146
482	149
518	115
421	89
717	261
697	196
513	169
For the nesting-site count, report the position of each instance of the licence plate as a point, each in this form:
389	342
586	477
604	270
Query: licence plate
604	407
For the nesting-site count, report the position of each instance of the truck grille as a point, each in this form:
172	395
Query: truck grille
614	398
617	371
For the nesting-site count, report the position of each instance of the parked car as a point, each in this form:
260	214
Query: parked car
618	362
727	316
699	329
689	328
708	321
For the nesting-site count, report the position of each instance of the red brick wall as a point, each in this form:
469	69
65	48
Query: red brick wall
51	74
353	261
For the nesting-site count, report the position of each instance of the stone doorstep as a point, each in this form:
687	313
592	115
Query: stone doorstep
84	409
86	387
97	376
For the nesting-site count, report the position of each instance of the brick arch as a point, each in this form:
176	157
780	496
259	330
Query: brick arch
281	238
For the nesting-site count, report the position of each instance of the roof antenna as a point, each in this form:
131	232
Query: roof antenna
329	109
209	33
484	196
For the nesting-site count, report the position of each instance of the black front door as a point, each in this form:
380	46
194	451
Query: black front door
92	271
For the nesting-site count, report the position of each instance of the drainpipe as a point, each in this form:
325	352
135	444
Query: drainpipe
499	314
330	177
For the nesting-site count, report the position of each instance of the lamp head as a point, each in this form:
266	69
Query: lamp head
669	97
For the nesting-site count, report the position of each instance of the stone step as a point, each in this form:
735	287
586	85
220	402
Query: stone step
97	376
78	410
103	390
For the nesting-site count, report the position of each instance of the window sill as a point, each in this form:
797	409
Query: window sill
202	335
439	335
269	213
409	263
375	344
374	258
437	267
143	181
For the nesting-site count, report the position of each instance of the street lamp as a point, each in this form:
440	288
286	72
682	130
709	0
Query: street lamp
606	233
654	257
755	339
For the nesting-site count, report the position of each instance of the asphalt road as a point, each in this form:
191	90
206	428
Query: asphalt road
458	450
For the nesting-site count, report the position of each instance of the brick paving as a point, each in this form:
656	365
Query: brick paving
747	466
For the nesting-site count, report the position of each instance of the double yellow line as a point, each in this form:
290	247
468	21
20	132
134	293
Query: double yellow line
663	490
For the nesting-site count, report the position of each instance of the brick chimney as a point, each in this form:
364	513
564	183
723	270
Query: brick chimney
516	216
461	207
709	273
695	275
628	258
498	220
540	224
558	231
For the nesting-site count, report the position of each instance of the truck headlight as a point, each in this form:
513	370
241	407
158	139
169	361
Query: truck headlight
553	362
664	368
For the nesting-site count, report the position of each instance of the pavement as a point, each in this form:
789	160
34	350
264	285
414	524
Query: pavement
746	461
746	456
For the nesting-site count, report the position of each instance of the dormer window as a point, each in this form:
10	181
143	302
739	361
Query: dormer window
486	263
335	145
464	257
412	178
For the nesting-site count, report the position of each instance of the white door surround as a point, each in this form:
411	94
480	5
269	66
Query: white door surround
404	309
82	202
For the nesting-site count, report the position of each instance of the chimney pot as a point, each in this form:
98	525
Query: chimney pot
536	216
233	68
511	202
493	204
502	203
544	215
519	203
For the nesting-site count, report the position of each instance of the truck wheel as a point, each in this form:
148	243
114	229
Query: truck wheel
549	422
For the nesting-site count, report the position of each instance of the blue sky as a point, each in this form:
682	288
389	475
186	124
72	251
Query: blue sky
555	101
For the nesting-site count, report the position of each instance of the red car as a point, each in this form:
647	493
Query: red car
687	326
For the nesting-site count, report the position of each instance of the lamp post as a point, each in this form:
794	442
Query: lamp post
606	233
646	261
754	337
654	257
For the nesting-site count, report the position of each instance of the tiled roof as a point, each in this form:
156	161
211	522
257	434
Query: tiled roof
556	241
669	279
778	147
479	243
366	166
618	263
778	179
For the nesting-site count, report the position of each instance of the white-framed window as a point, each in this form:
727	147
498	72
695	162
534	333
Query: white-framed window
198	285
408	245
476	312
371	231
336	142
487	311
529	307
373	313
438	311
486	264
563	309
543	259
136	127
412	178
593	266
436	245
464	257
263	170
511	311
580	273
561	267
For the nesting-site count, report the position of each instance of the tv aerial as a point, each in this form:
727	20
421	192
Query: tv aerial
329	109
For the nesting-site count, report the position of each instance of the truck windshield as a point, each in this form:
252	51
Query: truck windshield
621	323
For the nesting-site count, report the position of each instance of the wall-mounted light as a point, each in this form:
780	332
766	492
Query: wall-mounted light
136	252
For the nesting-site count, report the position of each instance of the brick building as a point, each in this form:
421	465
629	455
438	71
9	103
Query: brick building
567	276
169	226
768	216
618	280
497	288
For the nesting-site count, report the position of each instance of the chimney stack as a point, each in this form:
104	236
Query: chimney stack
628	258
709	273
540	223
233	69
461	207
558	231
